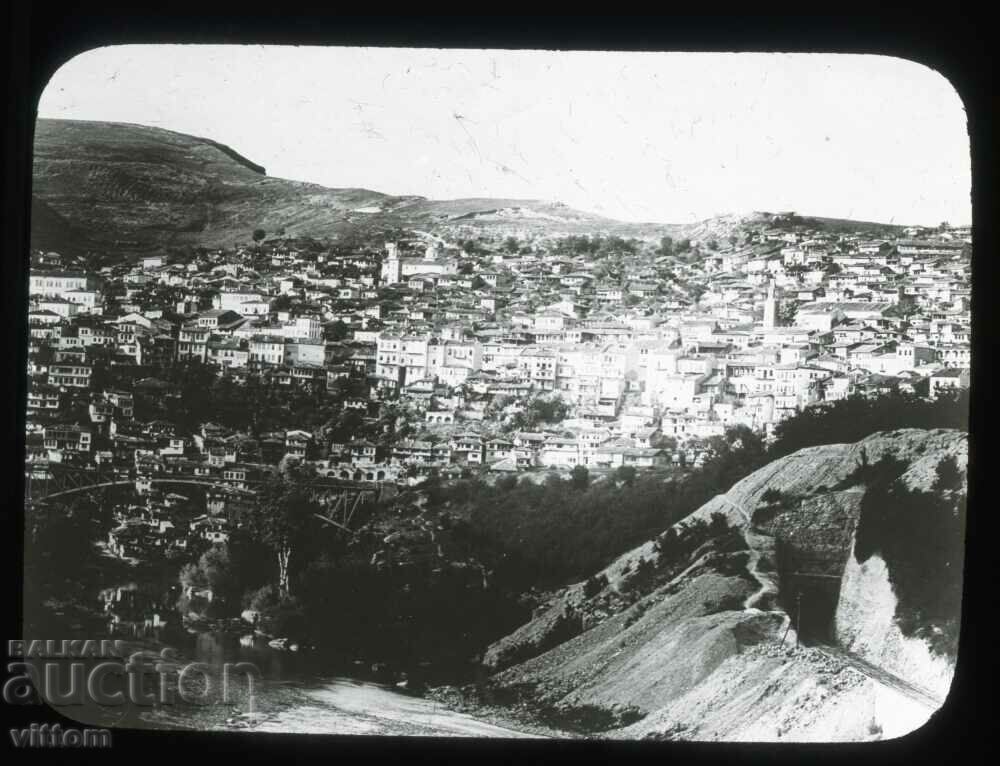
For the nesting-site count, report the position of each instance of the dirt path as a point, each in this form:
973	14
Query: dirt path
883	677
768	587
864	667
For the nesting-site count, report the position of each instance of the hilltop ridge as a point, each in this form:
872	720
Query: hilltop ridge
132	189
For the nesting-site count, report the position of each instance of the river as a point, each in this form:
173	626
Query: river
293	692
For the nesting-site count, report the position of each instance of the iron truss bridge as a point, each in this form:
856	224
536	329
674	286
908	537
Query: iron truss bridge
47	482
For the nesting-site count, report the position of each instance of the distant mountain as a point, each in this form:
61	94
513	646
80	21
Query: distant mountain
121	188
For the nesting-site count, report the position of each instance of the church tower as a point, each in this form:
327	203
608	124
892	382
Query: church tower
770	307
391	267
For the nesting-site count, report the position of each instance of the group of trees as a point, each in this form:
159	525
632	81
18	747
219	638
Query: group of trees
670	247
561	529
308	578
851	419
540	411
596	245
255	407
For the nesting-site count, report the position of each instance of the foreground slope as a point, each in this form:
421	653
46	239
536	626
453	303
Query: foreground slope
700	642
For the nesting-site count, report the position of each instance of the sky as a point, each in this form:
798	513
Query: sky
665	137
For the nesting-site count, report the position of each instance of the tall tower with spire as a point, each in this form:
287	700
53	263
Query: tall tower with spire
391	267
770	307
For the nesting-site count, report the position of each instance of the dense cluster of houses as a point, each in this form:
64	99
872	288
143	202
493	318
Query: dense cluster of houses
648	359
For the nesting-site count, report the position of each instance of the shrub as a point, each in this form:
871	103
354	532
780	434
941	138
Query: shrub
626	474
773	496
719	524
580	477
594	585
667	544
641	576
506	482
948	475
279	616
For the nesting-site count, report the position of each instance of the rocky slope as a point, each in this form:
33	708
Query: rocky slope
700	642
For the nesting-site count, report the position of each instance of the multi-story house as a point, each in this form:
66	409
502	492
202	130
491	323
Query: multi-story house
66	438
267	350
70	375
538	366
228	353
44	398
192	342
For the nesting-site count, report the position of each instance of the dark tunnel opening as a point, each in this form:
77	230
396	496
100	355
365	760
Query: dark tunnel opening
811	602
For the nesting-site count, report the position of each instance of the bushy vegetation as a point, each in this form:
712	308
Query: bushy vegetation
772	496
255	407
594	585
920	536
852	419
595	245
558	531
589	719
676	544
564	529
517	535
540	411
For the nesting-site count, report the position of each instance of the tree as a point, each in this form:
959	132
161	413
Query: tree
214	571
258	235
337	330
594	585
787	312
281	518
948	475
712	244
683	246
579	477
349	425
666	246
506	483
282	303
626	474
718	525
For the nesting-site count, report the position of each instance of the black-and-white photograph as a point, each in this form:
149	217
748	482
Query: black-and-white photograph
495	394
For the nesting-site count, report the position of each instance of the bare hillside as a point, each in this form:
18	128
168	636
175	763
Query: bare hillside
122	188
694	636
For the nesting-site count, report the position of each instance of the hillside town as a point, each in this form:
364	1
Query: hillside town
423	356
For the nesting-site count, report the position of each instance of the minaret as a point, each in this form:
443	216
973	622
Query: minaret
770	307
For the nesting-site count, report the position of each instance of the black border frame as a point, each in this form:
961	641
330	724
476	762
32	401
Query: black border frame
949	39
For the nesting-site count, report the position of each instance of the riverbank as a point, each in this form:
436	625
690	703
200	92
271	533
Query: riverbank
465	700
347	706
340	706
302	701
